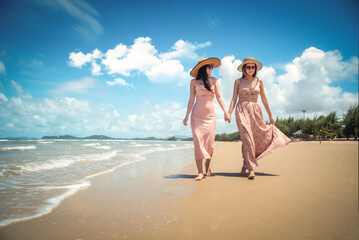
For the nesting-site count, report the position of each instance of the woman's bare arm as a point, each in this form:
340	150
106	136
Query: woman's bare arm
234	97
190	101
220	100
265	101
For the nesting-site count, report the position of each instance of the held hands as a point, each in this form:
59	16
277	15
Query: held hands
185	121
227	117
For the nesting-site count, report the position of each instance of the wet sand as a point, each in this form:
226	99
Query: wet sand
305	190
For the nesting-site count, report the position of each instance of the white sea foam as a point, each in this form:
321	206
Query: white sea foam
67	161
103	147
45	142
71	190
18	148
160	149
3	140
91	144
141	145
52	203
34	167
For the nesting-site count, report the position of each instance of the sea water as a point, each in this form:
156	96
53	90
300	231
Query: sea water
36	175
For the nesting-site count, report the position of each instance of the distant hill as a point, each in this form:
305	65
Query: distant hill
60	137
147	138
98	137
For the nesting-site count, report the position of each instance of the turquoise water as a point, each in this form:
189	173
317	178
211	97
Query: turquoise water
36	175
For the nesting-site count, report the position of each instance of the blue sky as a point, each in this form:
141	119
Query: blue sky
121	68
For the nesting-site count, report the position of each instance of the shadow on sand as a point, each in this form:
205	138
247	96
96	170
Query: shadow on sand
223	174
236	174
181	176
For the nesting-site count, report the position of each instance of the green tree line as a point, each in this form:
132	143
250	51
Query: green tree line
322	126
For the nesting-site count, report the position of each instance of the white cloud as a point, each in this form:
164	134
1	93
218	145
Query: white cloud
228	73
26	115
139	57
78	86
142	57
306	83
80	10
119	82
96	69
115	113
184	49
80	59
168	71
17	87
57	116
3	97
2	68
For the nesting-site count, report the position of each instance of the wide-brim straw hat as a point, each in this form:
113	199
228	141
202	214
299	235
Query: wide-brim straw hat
215	62
250	60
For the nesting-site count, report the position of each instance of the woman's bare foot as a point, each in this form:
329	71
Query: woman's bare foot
251	174
208	170
199	177
243	172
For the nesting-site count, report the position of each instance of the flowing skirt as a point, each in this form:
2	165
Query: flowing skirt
203	125
258	139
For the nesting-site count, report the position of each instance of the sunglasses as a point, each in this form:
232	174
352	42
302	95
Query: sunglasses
210	66
251	67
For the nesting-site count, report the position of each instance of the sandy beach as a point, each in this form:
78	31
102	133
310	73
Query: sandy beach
306	190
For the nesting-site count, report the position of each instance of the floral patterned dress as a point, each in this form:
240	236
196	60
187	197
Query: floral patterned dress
258	139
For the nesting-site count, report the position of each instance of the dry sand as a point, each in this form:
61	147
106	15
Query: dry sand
305	190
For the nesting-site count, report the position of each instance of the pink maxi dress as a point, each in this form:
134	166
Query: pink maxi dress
258	139
203	122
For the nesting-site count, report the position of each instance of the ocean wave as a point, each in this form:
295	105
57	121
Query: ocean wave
67	161
11	171
4	140
51	203
103	147
141	145
91	144
160	149
41	142
34	167
18	148
69	190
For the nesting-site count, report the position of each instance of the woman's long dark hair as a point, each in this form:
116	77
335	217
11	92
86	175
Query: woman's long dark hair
202	74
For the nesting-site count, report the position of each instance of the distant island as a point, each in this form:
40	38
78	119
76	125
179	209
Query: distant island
103	137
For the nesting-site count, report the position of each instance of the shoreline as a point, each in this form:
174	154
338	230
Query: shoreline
305	190
86	182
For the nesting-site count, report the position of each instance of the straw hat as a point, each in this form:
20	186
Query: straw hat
250	60
205	61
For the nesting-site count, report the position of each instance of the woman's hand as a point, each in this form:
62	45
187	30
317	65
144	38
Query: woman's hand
227	117
271	119
185	120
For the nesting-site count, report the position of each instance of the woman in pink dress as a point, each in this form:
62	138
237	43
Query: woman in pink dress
203	117
258	139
